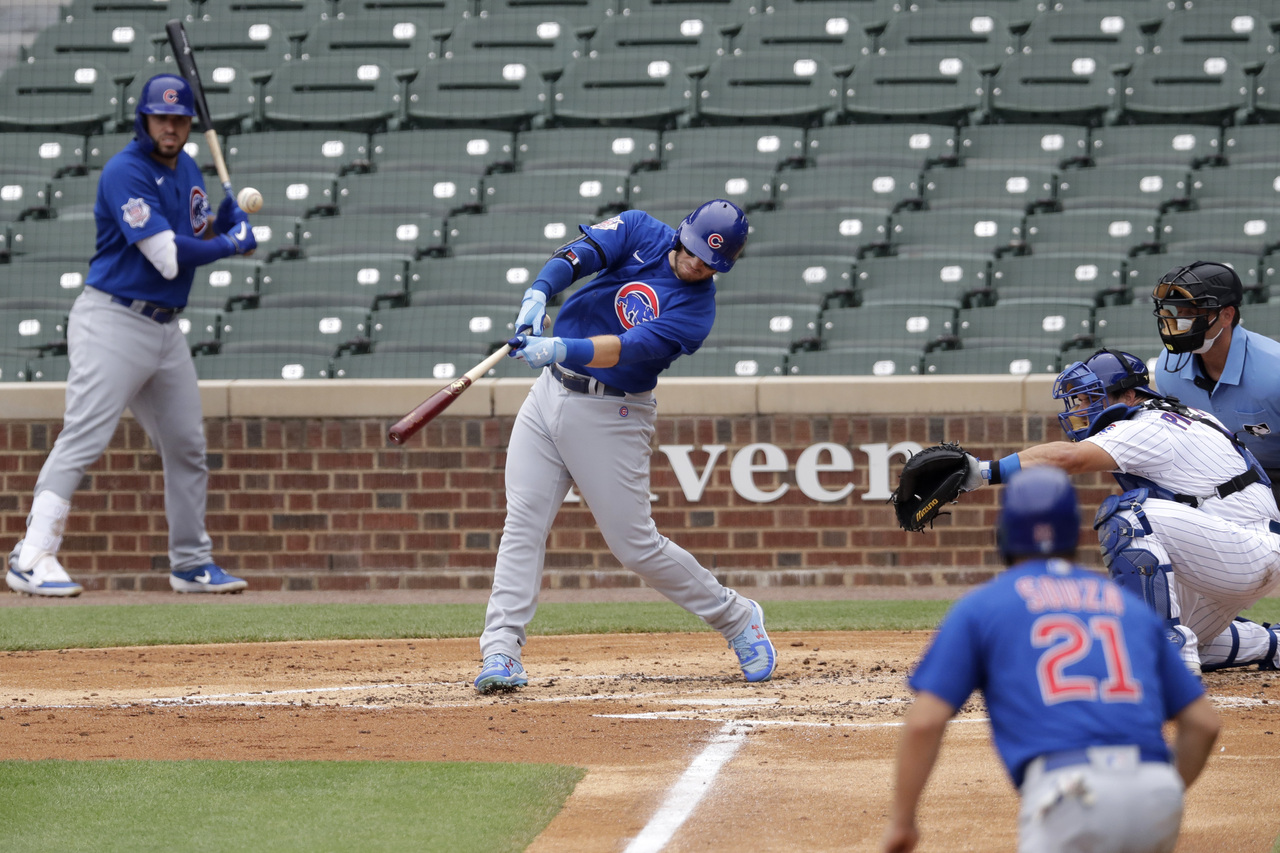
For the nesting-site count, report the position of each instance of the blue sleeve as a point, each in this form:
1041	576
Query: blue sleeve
194	252
581	259
130	200
952	667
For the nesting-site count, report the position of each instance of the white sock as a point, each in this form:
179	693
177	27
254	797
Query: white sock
45	526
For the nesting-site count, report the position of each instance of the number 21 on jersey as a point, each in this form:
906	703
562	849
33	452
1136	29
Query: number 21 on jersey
1067	639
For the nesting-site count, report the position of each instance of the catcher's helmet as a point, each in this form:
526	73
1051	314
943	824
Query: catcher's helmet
1039	514
1085	386
163	94
1201	285
714	233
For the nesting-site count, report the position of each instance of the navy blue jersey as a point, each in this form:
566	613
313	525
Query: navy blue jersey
138	197
638	298
1065	659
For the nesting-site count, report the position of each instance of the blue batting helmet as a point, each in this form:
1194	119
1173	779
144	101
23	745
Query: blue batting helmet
714	234
163	94
1039	514
1085	387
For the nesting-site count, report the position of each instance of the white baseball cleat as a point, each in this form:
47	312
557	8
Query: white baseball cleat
206	578
45	577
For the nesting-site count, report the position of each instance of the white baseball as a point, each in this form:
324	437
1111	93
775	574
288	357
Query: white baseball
249	199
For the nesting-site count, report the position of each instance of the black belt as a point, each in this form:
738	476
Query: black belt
160	313
585	384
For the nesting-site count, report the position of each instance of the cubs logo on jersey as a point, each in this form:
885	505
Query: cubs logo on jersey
636	303
199	211
136	212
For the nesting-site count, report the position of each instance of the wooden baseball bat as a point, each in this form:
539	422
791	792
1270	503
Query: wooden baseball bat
427	410
186	59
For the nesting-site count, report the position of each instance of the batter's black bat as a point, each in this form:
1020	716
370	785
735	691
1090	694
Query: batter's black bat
186	59
427	410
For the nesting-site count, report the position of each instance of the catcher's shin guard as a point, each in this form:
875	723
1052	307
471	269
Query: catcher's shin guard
1136	563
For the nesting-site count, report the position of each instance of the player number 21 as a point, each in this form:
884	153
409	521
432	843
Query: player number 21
1068	640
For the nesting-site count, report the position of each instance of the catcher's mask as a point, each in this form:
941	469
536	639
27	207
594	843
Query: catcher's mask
1086	386
1189	302
1039	514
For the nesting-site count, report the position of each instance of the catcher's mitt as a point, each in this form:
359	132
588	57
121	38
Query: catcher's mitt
930	480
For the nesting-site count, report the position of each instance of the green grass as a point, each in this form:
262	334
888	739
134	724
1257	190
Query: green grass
140	806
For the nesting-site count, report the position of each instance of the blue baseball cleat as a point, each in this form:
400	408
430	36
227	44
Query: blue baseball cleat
500	672
45	577
206	578
754	649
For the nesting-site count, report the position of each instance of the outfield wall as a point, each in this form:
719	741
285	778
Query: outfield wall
771	481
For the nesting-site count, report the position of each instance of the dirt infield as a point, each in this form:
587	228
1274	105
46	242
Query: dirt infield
811	769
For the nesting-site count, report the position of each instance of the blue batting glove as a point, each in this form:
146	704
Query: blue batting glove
229	214
241	238
533	312
537	352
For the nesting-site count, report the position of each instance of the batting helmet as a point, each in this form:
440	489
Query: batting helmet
1086	386
163	94
714	234
1039	514
1201	285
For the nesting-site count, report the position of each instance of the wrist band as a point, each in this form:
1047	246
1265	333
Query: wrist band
579	351
1000	472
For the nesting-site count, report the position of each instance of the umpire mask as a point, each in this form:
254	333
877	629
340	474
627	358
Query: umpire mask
1205	288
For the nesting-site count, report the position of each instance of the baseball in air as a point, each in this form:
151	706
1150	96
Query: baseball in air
249	199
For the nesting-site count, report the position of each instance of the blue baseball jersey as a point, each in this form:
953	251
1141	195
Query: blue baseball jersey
1065	659
1246	398
139	197
638	297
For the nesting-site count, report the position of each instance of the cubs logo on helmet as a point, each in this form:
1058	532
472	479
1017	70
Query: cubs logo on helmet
170	96
635	303
715	241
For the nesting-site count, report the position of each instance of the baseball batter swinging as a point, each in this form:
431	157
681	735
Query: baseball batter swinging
154	229
589	419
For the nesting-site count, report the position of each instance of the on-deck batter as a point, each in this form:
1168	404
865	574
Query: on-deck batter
154	229
589	419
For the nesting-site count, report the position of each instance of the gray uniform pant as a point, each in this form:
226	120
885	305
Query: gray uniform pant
118	359
564	437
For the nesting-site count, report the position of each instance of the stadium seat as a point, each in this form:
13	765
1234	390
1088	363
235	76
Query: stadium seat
477	92
405	236
52	240
780	327
977	33
452	328
335	152
531	38
725	12
428	194
13	367
46	285
1255	143
915	146
873	14
364	283
914	327
791	279
767	146
576	13
814	232
1249	230
1018	13
42	155
152	14
1238	30
1185	86
429	15
672	33
72	198
1053	86
624	148
1017	188
832	34
474	151
1022	360
874	361
1099	279
1050	322
1046	145
632	89
118	45
1236	186
601	190
276	235
1143	271
729	362
101	148
200	326
1263	319
48	367
262	365
515	233
29	331
914	85
1122	187
873	189
952	283
681	190
216	284
1114	232
1099	30
785	87
24	195
479	278
335	92
1131	328
422	364
1266	93
258	44
297	16
1185	145
62	95
314	331
956	233
298	194
399	40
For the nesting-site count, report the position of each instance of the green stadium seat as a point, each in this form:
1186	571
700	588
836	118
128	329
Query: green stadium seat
1255	143
1010	360
42	155
262	365
13	367
730	362
398	40
428	194
1263	319
1236	186
724	12
477	92
874	361
956	233
460	328
873	14
780	327
814	232
915	146
335	152
576	13
766	146
101	148
430	15
631	89
978	33
627	149
481	278
216	284
1119	232
671	33
22	196
1185	86
784	87
363	284
474	151
229	90
833	34
1017	188
1018	13
52	240
28	331
119	45
914	327
1100	279
1266	98
951	283
405	236
297	16
682	190
72	198
1047	322
604	190
315	331
1092	29
1046	145
51	285
48	367
914	85
1053	86
200	326
532	38
515	233
257	44
877	189
336	92
1142	272
789	279
298	194
151	14
1249	230
276	234
1239	30
422	364
1131	328
1186	145
62	95
1123	187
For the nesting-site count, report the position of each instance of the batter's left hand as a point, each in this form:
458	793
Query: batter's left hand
537	352
229	214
